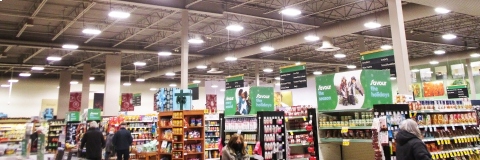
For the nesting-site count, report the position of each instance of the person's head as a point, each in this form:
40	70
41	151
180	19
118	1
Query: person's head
344	80
236	143
245	94
93	124
123	125
240	92
353	80
111	130
411	126
39	129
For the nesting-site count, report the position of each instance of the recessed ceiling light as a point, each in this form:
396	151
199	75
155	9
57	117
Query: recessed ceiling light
214	86
351	66
195	41
202	67
268	70
24	74
277	78
475	55
298	63
153	89
119	14
73	82
38	68
170	74
13	80
92	78
439	52
372	25
70	46
54	58
386	47
5	85
127	84
442	10
312	38
267	48
230	58
197	81
164	53
393	78
91	31
339	55
140	80
139	63
434	62
415	70
317	73
449	36
222	90
235	27
291	12
173	85
277	84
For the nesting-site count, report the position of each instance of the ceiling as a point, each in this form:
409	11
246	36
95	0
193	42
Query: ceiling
155	26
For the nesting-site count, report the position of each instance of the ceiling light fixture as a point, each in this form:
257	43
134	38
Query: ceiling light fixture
351	66
70	46
230	58
268	70
202	67
372	25
140	80
195	41
291	12
164	53
73	82
13	80
119	14
434	62
5	85
235	27
277	78
91	31
312	38
38	68
139	63
214	86
449	36
439	52
54	58
339	55
298	63
127	84
267	48
277	84
197	81
317	72
222	90
414	70
24	74
173	85
153	89
386	47
475	55
393	78
92	78
442	10
170	74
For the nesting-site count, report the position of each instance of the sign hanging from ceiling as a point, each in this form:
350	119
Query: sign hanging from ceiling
236	81
457	91
379	60
292	77
195	91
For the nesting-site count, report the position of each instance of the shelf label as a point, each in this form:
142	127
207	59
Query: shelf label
344	130
304	118
346	142
286	119
471	152
291	133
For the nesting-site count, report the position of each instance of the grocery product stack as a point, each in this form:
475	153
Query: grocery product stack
353	126
55	128
142	128
212	136
297	120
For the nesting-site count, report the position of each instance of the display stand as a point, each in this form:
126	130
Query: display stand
212	136
298	136
393	114
55	128
181	135
142	128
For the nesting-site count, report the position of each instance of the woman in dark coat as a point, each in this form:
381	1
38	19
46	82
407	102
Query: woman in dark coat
409	142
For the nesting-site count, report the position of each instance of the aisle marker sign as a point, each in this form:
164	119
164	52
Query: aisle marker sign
293	76
379	60
232	82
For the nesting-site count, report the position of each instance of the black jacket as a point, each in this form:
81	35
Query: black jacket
94	142
122	140
410	147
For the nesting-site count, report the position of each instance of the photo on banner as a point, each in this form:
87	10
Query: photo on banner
433	89
98	101
211	105
283	100
127	102
243	101
75	101
349	89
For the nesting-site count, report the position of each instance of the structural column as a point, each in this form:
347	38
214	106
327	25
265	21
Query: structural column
473	94
184	56
402	64
112	94
87	69
257	75
64	94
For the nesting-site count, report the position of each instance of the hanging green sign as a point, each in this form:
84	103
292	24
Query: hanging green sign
248	100
292	77
94	114
359	89
73	117
379	60
232	82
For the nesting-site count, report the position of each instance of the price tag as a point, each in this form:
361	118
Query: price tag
441	155
453	127
471	139
455	140
446	141
344	130
464	127
455	154
286	119
304	118
471	152
439	142
465	152
346	142
445	127
291	133
478	151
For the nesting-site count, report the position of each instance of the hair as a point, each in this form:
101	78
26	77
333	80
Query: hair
123	124
93	124
39	129
240	92
233	141
411	126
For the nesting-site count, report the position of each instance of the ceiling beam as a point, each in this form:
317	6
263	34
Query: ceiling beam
330	9
78	12
192	3
449	57
301	2
291	62
241	4
108	26
38	51
87	59
34	13
8	48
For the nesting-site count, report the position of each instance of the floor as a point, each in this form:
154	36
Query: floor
32	157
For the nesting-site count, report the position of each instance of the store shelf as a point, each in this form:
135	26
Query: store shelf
58	125
297	130
449	138
165	127
295	145
139	127
241	116
193	127
298	158
13	121
211	131
142	133
295	117
345	110
193	139
353	127
212	136
326	140
235	131
455	153
212	159
444	111
138	121
448	125
211	149
213	126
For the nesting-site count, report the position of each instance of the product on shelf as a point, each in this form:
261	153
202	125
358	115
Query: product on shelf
249	123
359	119
300	110
55	129
464	103
212	136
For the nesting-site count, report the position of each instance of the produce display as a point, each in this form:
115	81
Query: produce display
431	89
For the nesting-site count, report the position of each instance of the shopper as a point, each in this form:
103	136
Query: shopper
93	141
235	149
34	139
409	143
109	148
122	140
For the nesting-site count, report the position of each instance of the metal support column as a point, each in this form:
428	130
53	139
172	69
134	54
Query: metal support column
184	56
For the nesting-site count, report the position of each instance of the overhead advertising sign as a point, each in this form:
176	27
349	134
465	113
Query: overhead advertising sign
379	60
232	82
195	91
292	77
460	91
248	100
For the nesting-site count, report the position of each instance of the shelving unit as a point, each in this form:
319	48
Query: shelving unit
247	125
394	115
142	128
212	136
298	136
345	125
12	130
55	128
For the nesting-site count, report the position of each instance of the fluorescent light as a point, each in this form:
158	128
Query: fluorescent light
37	68
164	53
317	72
267	48
230	58
222	90
415	70
5	85
268	70
277	84
439	52
92	78
127	84
140	80
214	86
372	25
386	47
474	55
393	78
119	14
73	82
442	10
351	66
312	38
291	12
197	81
170	74
433	62
153	89
195	41
70	46
54	58
277	78
235	27
339	55
24	74
13	80
449	36
91	31
173	85
202	67
139	63
298	63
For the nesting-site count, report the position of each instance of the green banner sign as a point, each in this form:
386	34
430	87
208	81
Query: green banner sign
234	78
375	54
248	100
73	117
94	114
359	89
292	68
41	146
190	86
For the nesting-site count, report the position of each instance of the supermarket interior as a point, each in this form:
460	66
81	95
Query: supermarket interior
293	79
